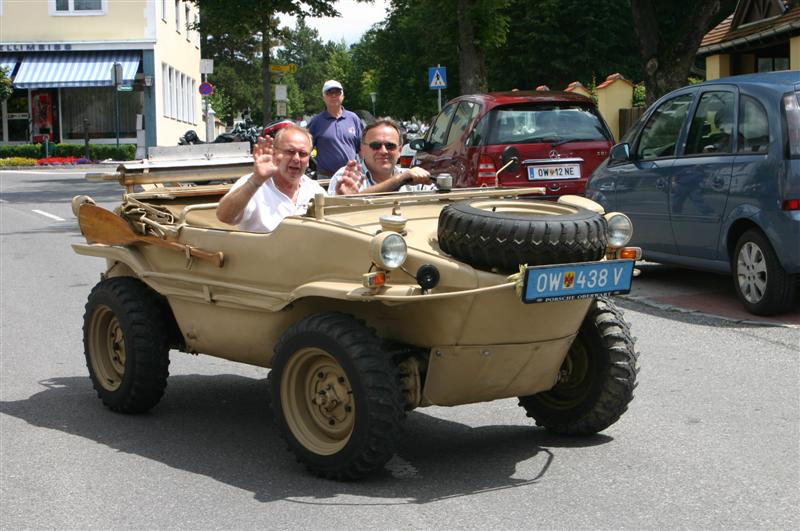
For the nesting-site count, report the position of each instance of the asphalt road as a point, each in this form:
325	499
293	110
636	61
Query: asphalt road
710	441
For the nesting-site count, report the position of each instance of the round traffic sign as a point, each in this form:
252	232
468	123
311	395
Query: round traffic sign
206	89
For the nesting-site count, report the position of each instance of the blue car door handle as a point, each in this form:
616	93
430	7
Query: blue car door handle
661	183
718	183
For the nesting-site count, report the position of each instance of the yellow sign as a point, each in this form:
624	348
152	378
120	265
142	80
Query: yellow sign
283	69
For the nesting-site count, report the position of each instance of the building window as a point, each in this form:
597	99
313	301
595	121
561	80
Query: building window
196	30
165	89
178	16
97	104
164	10
78	7
188	18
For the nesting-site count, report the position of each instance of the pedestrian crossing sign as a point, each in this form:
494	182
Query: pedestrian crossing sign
437	77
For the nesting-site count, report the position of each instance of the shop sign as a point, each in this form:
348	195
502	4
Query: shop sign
35	47
17	116
125	88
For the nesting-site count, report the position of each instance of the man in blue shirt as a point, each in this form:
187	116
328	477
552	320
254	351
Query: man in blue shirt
336	131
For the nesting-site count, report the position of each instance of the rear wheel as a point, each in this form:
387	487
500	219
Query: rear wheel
336	396
597	377
126	344
761	283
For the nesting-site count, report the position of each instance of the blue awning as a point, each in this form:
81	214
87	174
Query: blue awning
92	69
8	62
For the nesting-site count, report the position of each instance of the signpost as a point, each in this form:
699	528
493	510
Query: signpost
116	80
437	80
207	67
373	96
206	89
283	69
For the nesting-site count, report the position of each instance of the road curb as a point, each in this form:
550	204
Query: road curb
671	308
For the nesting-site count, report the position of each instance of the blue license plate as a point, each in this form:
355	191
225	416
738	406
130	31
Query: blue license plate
568	282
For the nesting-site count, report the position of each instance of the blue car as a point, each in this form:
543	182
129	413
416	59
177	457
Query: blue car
710	177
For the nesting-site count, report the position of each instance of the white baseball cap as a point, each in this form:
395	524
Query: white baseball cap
331	84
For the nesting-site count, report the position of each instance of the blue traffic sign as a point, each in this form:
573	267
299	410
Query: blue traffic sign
437	77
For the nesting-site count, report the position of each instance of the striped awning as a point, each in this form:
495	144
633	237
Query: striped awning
92	69
8	62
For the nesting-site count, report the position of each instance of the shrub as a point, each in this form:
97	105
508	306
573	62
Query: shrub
30	151
17	161
96	151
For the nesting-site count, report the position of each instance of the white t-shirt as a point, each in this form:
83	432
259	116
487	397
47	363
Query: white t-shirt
269	206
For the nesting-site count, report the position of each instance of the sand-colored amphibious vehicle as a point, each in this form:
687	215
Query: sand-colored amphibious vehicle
367	307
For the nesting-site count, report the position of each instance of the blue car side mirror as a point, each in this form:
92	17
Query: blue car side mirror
620	153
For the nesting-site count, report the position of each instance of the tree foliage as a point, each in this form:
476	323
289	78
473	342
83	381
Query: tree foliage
669	34
246	30
486	45
5	85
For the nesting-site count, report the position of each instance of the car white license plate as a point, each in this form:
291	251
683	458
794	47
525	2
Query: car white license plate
554	171
568	282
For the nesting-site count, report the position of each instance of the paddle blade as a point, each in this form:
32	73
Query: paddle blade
99	225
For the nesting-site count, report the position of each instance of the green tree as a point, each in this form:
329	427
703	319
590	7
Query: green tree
6	89
247	29
303	47
556	42
669	35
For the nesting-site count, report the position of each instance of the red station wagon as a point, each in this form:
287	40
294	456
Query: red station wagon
560	136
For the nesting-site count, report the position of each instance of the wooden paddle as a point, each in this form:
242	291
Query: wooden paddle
103	226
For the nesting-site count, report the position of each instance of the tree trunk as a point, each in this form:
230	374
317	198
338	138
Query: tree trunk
265	59
471	60
667	60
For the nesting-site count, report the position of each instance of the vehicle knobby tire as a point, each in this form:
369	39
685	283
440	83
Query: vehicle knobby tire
597	378
352	426
761	283
502	234
126	344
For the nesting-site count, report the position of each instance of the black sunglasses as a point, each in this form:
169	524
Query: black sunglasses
390	146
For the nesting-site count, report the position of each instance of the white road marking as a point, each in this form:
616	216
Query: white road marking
49	215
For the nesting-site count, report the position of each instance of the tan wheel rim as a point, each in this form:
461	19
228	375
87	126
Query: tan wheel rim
107	348
317	401
524	207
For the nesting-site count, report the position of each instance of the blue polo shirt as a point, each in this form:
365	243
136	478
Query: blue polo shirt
337	139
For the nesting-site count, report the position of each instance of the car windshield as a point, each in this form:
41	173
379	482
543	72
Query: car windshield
554	124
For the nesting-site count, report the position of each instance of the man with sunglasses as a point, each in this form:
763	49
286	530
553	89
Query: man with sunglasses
380	151
277	187
336	131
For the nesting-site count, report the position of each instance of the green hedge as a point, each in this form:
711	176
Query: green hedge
96	151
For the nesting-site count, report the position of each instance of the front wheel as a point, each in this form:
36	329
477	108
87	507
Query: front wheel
126	344
336	396
596	380
761	283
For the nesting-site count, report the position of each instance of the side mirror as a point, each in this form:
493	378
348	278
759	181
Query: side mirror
419	144
510	160
620	153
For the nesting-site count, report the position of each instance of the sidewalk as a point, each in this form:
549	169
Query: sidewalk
683	290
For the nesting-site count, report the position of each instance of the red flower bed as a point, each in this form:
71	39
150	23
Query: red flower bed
58	161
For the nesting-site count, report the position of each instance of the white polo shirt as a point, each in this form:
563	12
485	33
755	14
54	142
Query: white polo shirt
269	206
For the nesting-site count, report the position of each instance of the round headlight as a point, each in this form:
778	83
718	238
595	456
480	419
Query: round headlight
388	250
620	229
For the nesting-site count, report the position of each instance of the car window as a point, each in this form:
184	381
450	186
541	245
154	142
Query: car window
535	123
439	129
660	136
753	126
712	124
463	116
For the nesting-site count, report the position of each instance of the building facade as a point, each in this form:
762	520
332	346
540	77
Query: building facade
759	36
61	56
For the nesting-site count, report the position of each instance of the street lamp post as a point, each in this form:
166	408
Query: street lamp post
373	96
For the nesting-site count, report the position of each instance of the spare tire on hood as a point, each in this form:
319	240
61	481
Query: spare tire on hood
501	234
